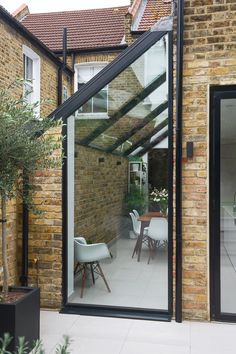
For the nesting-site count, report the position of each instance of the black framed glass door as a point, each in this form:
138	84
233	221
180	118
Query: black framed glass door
223	203
111	159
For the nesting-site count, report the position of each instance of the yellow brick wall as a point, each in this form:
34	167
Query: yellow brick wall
99	192
209	59
44	232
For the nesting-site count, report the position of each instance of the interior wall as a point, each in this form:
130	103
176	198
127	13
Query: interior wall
101	181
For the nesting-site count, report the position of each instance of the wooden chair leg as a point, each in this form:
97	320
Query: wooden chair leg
150	246
92	272
103	277
76	268
83	281
136	247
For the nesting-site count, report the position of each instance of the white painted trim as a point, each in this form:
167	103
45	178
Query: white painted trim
36	74
91	115
89	63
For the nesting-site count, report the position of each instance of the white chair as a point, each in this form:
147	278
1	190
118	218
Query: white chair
136	214
136	224
87	257
158	234
137	229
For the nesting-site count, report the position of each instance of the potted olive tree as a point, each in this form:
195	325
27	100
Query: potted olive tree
24	148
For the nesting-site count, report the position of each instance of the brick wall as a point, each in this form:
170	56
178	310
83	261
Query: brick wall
99	192
44	232
209	59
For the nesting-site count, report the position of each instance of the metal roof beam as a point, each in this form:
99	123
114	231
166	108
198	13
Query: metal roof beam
152	115
152	144
142	141
125	109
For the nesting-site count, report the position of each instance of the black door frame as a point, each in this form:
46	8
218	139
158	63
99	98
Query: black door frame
216	94
64	111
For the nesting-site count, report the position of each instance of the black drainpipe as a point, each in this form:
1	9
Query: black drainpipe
59	87
178	203
60	70
25	238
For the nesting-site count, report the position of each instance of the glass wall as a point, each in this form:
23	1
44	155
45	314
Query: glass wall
228	205
118	189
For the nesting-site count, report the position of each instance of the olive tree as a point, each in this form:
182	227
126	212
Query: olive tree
26	145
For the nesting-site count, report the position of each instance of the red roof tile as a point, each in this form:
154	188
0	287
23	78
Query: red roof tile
86	29
154	10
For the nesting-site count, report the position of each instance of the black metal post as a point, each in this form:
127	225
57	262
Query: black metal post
178	180
59	87
170	172
64	46
25	238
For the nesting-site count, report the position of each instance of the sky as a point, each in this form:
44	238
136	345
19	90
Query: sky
61	5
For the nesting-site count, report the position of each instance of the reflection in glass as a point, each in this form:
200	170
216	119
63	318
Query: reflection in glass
228	205
120	233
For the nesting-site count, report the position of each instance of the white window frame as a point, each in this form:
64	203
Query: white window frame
91	115
65	94
28	52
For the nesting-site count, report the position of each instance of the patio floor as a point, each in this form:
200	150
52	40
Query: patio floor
97	335
132	283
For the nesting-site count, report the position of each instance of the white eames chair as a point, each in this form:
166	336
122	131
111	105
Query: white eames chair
87	257
157	234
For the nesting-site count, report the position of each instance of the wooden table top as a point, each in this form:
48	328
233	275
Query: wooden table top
151	214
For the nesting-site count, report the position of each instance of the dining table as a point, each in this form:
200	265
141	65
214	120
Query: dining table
145	221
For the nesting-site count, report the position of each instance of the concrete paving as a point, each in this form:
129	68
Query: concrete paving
98	335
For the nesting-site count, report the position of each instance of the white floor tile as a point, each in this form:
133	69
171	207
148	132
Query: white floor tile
132	283
54	323
96	346
213	337
161	333
99	327
152	348
97	335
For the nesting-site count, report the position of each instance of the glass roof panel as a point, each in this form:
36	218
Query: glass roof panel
130	107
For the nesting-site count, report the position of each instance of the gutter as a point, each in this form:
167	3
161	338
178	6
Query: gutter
178	181
106	49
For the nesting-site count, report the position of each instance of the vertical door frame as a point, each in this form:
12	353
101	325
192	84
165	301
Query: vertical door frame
217	93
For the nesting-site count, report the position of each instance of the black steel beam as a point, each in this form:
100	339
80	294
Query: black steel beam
178	169
128	106
152	115
126	58
142	141
153	143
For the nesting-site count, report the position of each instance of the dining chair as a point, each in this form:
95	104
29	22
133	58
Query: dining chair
137	229
157	234
136	213
87	258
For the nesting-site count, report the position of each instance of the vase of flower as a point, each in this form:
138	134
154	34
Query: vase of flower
159	198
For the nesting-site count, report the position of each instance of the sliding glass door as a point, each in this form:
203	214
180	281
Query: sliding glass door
223	203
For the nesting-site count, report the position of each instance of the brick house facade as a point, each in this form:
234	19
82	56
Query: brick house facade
14	38
209	60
